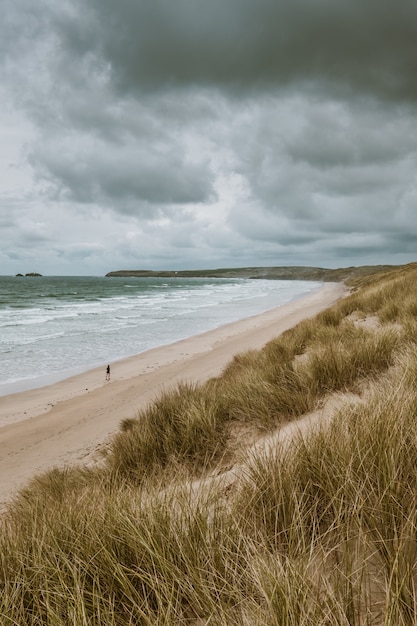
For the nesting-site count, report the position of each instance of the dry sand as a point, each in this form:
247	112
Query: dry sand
70	422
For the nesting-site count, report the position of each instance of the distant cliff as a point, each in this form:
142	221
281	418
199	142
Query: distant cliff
277	273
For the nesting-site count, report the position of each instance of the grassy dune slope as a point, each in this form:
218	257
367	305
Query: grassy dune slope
188	523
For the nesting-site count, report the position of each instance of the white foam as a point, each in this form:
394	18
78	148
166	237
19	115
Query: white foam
75	334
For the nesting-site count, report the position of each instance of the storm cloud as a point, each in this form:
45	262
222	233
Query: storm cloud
245	44
199	134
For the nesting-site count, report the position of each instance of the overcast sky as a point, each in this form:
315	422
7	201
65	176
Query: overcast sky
175	134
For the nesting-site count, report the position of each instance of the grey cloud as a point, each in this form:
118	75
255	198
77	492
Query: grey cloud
200	131
108	54
377	249
403	242
262	225
81	252
355	133
328	162
6	221
18	34
371	46
129	177
361	182
31	234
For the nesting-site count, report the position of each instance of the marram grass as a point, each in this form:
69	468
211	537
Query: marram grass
182	527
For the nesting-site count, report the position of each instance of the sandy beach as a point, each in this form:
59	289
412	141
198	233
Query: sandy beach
71	422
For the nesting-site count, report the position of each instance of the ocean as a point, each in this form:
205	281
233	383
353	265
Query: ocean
54	327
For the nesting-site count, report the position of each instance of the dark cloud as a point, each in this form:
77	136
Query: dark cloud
335	134
371	46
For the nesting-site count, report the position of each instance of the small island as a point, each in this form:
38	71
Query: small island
29	274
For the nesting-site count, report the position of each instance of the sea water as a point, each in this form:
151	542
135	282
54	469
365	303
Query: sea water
54	327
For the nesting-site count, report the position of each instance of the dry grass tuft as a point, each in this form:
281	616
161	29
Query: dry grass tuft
319	531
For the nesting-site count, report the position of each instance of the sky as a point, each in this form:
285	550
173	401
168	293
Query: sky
193	134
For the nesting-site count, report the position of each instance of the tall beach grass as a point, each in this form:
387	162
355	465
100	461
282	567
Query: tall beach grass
187	524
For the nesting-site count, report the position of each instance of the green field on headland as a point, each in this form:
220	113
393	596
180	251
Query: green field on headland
273	273
212	509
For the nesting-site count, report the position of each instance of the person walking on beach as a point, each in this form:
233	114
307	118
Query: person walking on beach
108	373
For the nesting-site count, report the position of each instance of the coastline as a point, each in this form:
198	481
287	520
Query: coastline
46	341
70	421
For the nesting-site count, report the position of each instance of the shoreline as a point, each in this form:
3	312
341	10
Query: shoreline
22	385
70	421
